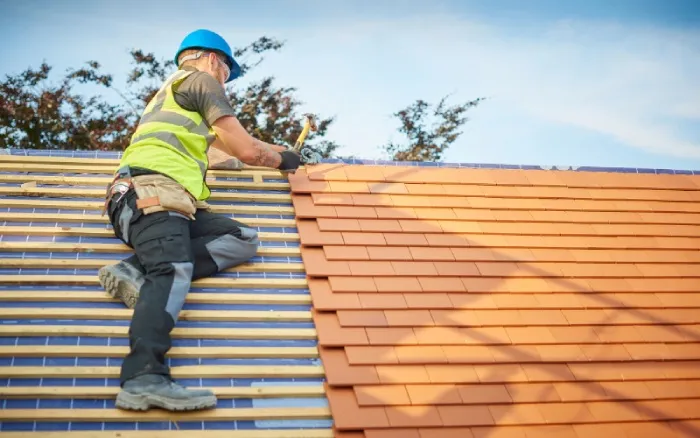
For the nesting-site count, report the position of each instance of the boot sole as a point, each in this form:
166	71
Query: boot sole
118	288
141	402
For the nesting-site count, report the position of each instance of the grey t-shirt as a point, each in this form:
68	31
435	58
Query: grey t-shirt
202	93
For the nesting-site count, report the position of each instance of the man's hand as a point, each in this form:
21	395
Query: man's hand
290	161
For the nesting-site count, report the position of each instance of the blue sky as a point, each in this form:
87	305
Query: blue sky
610	83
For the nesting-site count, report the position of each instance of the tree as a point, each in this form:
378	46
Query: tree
37	114
429	132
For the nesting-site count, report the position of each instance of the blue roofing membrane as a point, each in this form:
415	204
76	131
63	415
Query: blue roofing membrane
356	161
87	403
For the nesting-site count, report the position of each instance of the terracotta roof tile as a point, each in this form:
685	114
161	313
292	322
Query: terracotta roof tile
403	374
313	236
391	336
383	301
504	303
443	432
393	433
362	318
364	173
396	212
304	207
650	430
409	318
371	355
333	224
444	284
347	414
332	334
371	268
300	183
341	373
384	395
353	284
409	354
391	188
349	187
452	373
468	353
350	238
403	285
413	416
348	434
533	392
428	301
356	212
433	394
499	432
335	199
557	431
466	415
519	414
484	394
326	172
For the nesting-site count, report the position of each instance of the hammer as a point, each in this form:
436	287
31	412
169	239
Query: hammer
309	124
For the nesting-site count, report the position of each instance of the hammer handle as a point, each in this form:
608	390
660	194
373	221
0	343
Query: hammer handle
300	140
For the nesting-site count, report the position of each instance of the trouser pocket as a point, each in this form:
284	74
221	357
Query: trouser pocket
159	193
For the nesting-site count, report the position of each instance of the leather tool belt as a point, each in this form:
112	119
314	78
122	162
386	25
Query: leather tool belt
155	192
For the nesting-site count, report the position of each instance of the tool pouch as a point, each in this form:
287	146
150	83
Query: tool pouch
118	186
159	193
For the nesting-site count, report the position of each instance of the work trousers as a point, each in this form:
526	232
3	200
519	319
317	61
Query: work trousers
171	250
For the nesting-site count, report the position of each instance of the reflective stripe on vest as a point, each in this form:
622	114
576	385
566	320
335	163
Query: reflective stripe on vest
165	122
154	113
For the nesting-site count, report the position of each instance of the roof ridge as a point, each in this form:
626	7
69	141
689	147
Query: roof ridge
367	162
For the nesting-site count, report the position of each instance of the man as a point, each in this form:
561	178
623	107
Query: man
156	205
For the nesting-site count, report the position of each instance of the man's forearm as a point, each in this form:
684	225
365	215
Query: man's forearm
265	155
237	142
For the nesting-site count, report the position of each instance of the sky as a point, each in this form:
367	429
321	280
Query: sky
597	83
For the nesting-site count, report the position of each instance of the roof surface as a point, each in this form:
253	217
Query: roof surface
495	303
247	333
470	301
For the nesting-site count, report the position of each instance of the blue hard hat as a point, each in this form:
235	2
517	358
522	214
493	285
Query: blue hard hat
208	40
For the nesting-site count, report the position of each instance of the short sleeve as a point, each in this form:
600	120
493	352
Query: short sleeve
202	93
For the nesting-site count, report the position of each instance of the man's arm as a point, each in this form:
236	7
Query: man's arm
237	142
202	93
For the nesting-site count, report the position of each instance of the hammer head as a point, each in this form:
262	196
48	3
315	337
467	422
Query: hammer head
312	121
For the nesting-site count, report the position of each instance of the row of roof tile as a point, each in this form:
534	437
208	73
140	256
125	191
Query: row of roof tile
504	303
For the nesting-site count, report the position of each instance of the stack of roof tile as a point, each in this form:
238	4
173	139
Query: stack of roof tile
495	303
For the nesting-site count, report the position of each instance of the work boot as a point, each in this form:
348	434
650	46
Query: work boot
122	281
155	390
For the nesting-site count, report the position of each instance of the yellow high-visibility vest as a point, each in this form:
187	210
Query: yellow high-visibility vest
172	140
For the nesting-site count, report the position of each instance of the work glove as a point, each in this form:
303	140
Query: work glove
310	155
290	161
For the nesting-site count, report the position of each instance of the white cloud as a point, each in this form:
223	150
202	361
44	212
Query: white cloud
635	85
548	82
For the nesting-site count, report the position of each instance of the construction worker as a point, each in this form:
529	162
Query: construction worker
156	205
